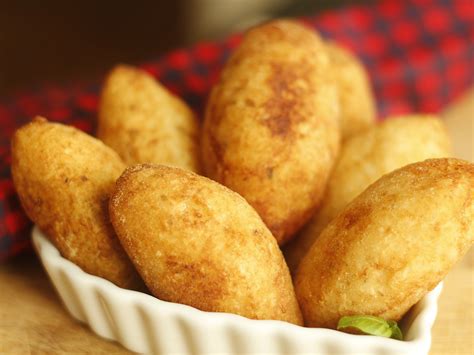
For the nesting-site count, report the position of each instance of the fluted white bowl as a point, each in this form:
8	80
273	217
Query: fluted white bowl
145	324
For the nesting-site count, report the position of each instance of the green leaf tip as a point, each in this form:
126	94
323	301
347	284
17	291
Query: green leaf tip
370	325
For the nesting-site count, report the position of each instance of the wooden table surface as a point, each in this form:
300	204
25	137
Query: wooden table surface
33	321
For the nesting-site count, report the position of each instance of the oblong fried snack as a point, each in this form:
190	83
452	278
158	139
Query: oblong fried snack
198	243
364	158
145	123
356	100
63	177
391	245
271	131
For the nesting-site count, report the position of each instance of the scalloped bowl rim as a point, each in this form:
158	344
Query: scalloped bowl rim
420	329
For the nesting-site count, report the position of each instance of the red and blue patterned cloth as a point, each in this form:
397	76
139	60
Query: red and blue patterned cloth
419	54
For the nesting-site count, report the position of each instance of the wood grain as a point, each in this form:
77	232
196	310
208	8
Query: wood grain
33	321
453	332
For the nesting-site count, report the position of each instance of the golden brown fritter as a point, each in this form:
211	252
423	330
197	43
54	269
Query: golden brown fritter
391	245
196	242
271	131
356	99
144	123
64	177
364	158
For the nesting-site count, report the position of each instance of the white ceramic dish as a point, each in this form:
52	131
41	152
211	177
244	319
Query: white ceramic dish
145	324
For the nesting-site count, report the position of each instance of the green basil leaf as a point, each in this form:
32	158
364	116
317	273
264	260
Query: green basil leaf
371	325
396	331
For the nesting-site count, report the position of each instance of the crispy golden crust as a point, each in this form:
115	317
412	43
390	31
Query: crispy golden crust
364	158
144	123
271	128
356	99
198	243
391	245
63	178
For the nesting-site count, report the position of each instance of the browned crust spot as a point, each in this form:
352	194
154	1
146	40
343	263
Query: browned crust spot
282	108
